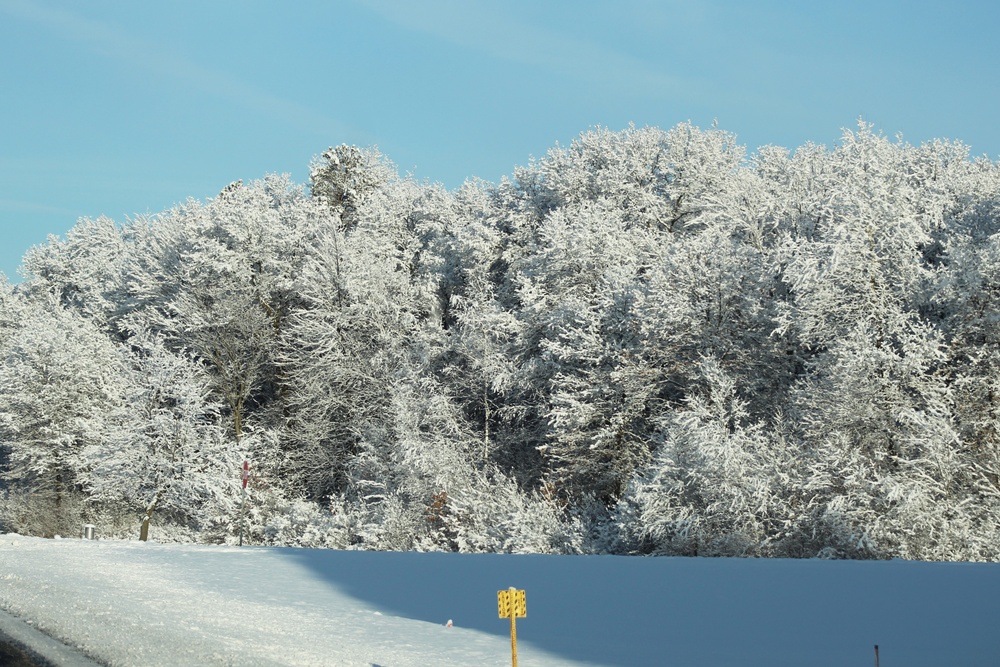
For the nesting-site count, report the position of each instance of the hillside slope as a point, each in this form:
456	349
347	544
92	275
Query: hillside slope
129	603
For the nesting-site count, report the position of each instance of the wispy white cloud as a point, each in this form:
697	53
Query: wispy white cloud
487	28
15	206
159	60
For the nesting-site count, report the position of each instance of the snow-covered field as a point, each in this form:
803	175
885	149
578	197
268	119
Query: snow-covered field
129	603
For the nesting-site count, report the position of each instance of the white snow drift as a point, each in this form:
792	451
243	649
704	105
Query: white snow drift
130	603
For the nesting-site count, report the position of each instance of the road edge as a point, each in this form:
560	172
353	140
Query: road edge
38	644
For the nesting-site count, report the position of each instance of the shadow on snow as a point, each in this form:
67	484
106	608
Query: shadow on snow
615	610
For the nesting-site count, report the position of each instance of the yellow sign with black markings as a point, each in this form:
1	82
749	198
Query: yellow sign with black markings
511	602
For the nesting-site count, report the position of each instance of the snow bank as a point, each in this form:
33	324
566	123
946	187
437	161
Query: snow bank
129	603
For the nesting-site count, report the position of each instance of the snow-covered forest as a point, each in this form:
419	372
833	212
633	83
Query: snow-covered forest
647	342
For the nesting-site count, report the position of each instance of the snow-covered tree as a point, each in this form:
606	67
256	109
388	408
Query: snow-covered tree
579	289
344	177
878	431
646	340
84	271
62	382
168	453
715	486
219	280
362	309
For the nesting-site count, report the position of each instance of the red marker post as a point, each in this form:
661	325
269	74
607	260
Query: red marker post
243	503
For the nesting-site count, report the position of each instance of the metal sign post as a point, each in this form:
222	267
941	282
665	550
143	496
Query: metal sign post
511	604
243	503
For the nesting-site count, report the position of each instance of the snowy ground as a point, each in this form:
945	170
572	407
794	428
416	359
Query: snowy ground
129	603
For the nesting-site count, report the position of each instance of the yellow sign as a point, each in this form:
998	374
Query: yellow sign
511	601
511	604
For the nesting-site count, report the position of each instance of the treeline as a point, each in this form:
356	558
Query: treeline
647	342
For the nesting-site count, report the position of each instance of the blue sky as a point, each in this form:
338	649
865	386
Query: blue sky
118	108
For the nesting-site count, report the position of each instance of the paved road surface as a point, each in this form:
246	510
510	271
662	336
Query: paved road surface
23	646
13	656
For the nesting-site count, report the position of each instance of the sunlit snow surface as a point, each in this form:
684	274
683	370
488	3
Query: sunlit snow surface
129	603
